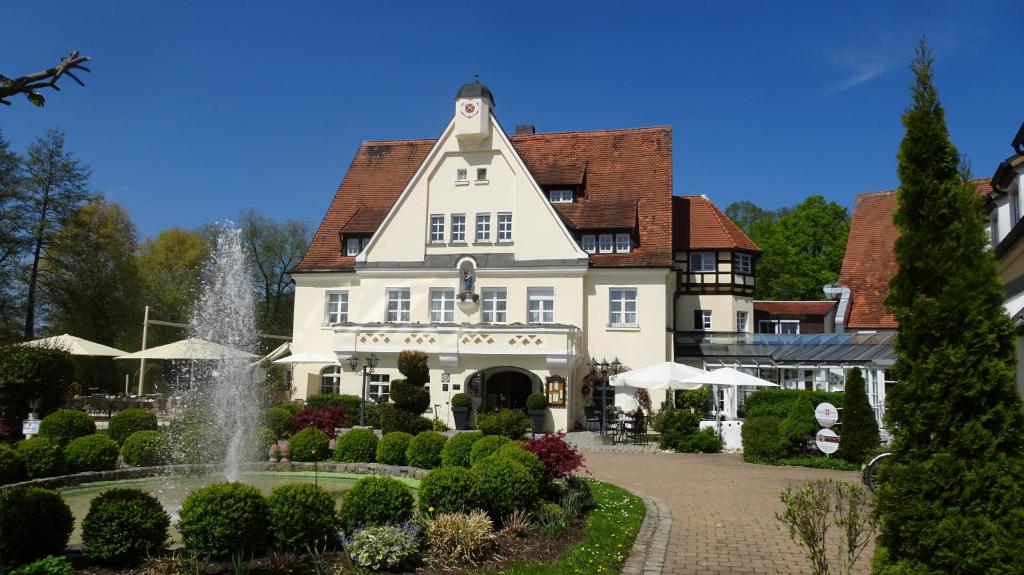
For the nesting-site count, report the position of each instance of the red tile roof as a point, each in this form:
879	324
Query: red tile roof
626	177
870	262
699	224
794	307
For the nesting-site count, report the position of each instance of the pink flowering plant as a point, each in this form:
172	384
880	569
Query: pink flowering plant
559	458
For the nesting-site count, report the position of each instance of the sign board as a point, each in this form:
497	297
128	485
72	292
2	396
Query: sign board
826	414
30	427
827	441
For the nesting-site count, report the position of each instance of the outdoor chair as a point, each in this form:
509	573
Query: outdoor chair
638	429
592	419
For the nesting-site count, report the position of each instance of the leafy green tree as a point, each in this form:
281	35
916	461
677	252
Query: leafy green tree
747	215
952	498
54	186
12	241
170	271
859	431
274	248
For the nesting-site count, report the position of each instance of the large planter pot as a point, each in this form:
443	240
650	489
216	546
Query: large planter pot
538	417
461	416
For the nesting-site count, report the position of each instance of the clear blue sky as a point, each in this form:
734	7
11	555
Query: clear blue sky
197	110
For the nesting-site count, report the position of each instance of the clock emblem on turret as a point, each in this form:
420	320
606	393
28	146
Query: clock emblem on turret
470	109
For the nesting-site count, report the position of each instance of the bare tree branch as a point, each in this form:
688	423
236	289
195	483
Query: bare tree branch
32	83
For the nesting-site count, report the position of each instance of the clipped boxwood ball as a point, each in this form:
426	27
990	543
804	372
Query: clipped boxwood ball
375	501
310	444
11	468
279	419
504	485
392	447
41	457
356	446
486	446
301	514
64	425
124	526
129	421
91	453
146	449
224	518
34	523
458	447
447	490
425	450
529	460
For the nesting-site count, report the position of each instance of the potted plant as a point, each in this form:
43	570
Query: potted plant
461	402
536	406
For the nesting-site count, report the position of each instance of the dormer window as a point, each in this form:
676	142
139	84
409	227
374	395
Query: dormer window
589	243
623	243
353	246
481	174
605	243
560	196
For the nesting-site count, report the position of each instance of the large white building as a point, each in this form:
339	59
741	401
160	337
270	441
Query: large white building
511	260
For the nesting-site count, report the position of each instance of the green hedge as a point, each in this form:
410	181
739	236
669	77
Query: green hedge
503	485
124	526
761	441
447	490
129	421
778	402
224	518
486	446
424	450
392	447
41	457
301	514
146	449
459	447
64	425
91	453
310	444
510	423
34	523
375	501
356	446
28	373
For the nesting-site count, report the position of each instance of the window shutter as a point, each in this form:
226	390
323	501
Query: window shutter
698	320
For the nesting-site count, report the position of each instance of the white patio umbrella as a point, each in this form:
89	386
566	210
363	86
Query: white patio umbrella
664	375
728	376
191	348
76	346
307	357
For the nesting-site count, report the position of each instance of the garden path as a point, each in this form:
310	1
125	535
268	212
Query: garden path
723	510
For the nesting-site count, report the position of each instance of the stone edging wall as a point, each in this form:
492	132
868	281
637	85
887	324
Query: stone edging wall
140	472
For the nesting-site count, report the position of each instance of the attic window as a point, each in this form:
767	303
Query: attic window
481	174
461	175
560	196
353	246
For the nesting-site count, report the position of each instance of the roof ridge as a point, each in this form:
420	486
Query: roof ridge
399	141
795	300
658	128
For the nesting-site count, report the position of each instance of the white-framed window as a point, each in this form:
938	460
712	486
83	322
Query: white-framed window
605	243
437	229
1014	207
481	174
779	326
702	319
494	308
330	379
458	228
398	304
741	321
742	263
560	196
483	227
461	174
623	243
337	307
702	262
540	305
505	227
622	307
379	387
353	246
442	305
589	243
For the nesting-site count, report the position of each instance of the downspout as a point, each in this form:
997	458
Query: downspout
838	292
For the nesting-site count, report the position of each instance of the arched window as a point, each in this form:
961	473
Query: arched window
330	379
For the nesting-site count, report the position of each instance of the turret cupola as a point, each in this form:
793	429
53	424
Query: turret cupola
473	106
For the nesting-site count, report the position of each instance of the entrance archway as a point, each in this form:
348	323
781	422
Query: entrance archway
503	387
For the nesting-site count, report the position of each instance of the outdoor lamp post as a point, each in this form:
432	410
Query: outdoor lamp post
604	369
371	362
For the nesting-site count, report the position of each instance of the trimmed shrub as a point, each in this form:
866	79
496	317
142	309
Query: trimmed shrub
129	421
91	453
677	425
327	419
224	518
301	514
536	402
447	490
703	441
510	423
64	425
409	397
425	450
413	365
695	400
462	400
799	427
462	537
146	449
392	447
392	419
124	526
11	468
458	448
320	400
559	458
860	430
34	523
503	485
41	457
384	547
375	501
778	402
356	445
195	439
310	444
528	460
49	565
27	373
486	446
761	441
279	420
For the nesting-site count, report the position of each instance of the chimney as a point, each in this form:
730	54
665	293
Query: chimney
525	130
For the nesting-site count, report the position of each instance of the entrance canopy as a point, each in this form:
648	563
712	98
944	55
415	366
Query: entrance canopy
664	375
191	348
728	376
307	357
76	346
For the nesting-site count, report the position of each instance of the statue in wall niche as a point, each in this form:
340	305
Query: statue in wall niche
467	281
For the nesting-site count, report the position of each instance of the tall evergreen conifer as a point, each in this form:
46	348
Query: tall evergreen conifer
952	499
858	434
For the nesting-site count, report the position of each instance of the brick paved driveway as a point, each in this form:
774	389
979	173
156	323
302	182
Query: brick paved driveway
722	509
